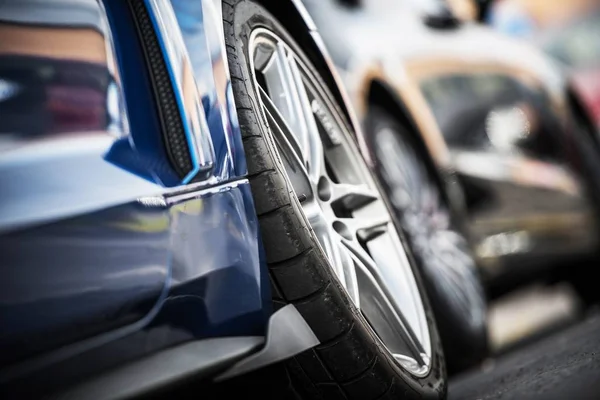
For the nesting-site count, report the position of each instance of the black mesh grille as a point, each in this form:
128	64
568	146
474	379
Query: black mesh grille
169	114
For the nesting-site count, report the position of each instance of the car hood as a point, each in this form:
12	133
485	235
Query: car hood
394	36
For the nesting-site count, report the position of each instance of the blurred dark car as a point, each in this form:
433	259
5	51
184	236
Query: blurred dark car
476	137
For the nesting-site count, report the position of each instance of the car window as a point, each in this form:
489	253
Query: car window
460	103
573	45
474	111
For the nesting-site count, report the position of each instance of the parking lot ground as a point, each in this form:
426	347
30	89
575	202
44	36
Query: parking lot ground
545	349
531	312
564	365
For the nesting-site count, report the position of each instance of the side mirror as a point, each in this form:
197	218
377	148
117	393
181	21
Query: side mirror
482	9
453	13
351	3
443	19
470	10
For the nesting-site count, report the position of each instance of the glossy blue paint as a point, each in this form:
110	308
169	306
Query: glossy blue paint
79	277
201	27
61	176
220	219
106	255
144	149
189	103
208	293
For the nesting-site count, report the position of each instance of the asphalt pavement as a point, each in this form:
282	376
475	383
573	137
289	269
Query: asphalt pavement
564	365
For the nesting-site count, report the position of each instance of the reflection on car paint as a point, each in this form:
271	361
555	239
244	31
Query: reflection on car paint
223	219
64	123
199	143
202	36
106	256
73	279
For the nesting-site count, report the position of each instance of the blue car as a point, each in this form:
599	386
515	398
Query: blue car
185	195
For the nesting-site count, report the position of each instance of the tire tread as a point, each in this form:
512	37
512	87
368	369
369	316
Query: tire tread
293	256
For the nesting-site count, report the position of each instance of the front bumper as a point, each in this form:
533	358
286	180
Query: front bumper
216	359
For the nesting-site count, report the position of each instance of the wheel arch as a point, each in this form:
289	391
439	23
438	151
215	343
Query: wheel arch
380	94
294	16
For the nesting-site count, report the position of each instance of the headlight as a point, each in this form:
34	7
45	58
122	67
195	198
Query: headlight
507	126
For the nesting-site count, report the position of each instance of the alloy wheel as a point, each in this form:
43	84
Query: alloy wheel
340	200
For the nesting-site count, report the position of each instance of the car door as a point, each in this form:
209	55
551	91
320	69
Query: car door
86	236
81	256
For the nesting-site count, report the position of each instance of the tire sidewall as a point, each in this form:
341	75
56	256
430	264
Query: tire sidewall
249	17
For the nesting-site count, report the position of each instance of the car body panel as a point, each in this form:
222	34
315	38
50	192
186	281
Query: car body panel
403	54
109	254
202	33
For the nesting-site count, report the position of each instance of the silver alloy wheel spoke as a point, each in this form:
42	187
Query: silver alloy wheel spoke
371	278
353	196
316	156
295	169
340	202
300	181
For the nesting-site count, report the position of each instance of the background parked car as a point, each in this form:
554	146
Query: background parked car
567	31
491	122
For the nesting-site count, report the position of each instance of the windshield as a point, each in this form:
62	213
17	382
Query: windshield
574	44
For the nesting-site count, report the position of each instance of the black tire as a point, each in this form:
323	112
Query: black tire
464	335
586	157
580	277
350	362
